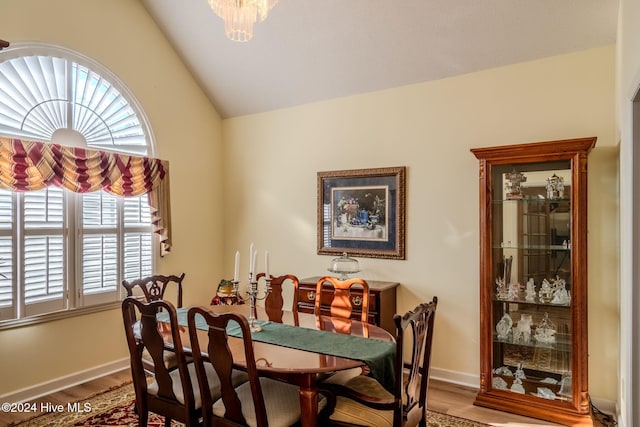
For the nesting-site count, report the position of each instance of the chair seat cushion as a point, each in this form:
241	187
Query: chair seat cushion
341	377
281	400
350	411
238	378
169	359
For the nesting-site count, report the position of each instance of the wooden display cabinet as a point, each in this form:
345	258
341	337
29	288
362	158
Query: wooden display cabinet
533	280
382	301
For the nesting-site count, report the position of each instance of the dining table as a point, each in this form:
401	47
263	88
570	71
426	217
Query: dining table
302	349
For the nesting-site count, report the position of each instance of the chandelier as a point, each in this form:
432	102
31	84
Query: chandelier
240	15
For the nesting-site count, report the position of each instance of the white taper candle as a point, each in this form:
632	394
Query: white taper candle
236	267
254	261
251	251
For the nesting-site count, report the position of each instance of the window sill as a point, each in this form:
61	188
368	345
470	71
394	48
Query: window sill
58	315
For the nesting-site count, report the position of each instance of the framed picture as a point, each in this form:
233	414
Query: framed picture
361	212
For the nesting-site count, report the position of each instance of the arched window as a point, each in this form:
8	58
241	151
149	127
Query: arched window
61	250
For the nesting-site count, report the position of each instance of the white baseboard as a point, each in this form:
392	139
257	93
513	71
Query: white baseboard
33	392
460	378
609	407
473	381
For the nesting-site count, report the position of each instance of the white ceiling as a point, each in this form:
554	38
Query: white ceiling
311	50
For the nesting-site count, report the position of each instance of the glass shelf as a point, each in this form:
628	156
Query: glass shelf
536	302
539	200
558	248
562	343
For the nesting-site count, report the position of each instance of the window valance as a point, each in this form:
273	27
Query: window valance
31	165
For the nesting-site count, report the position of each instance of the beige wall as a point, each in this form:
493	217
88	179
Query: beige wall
430	128
188	133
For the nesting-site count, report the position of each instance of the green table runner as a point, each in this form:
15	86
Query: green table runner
378	355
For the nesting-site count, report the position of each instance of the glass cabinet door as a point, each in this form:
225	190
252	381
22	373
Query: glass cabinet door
531	298
533	280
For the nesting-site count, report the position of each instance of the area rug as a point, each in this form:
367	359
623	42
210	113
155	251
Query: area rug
116	408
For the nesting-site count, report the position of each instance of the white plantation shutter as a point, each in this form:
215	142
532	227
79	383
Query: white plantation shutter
58	249
8	304
138	250
100	263
41	94
103	245
138	244
43	252
99	247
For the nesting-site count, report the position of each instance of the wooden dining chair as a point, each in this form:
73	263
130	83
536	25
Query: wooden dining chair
363	401
343	300
174	394
260	402
274	302
340	311
154	288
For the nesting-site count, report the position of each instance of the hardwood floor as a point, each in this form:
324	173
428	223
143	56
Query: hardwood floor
444	397
458	400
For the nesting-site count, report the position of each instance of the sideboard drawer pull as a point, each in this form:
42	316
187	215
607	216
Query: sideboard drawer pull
311	295
356	301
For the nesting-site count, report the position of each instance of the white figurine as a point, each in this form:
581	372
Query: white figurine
560	294
503	328
516	386
499	384
512	182
546	330
565	386
546	291
520	372
546	393
502	292
504	371
514	291
522	332
530	292
555	187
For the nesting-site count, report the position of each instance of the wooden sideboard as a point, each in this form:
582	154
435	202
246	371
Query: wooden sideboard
382	304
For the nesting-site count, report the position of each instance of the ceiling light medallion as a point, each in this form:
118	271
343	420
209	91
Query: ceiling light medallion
240	15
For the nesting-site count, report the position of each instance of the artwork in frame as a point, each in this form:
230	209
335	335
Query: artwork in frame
362	212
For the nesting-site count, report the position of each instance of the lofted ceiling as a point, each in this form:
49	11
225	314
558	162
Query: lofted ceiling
312	50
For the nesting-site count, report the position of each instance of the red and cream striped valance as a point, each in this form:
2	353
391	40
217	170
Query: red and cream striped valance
31	165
